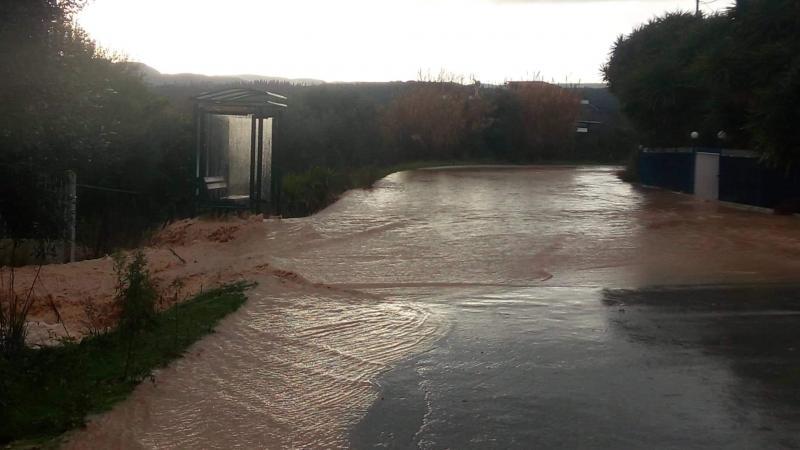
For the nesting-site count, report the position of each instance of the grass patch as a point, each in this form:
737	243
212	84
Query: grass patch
46	392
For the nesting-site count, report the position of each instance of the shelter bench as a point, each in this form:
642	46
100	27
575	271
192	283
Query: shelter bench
216	195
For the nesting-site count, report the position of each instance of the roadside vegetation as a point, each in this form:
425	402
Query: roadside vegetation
737	72
47	391
66	104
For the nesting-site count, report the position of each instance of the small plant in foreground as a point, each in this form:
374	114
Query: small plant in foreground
136	299
14	309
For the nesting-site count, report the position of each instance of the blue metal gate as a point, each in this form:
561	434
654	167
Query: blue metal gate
668	168
743	177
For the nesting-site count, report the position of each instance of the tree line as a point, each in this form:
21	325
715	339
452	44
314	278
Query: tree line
362	124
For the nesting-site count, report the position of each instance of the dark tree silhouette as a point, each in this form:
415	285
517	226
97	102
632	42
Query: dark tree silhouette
736	71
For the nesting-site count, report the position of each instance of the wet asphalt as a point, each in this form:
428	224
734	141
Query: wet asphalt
690	367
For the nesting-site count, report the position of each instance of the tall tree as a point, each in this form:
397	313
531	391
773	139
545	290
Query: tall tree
65	104
736	71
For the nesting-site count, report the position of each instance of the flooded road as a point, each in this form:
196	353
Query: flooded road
496	308
524	227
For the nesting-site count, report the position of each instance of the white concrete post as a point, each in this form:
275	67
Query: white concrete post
71	212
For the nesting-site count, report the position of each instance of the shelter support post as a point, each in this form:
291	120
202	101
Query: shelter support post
275	179
198	144
259	164
253	127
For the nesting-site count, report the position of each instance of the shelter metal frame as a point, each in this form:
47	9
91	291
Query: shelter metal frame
256	103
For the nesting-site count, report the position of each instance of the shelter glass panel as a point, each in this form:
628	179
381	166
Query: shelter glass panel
266	163
228	151
239	155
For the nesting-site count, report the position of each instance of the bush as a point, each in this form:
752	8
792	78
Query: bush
14	309
136	299
307	192
136	295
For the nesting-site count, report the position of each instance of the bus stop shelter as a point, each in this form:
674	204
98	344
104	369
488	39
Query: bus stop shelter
234	146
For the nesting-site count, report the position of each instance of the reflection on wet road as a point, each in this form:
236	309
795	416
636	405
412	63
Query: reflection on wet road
497	308
588	368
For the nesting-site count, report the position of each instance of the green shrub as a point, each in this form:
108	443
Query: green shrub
307	192
136	295
136	299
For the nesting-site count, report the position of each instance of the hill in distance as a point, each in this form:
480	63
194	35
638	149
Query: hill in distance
153	77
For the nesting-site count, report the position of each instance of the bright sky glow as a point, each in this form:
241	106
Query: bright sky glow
373	40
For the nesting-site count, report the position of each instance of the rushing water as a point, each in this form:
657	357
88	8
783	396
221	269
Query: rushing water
484	271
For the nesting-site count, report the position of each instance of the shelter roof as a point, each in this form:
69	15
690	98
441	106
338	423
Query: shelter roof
241	101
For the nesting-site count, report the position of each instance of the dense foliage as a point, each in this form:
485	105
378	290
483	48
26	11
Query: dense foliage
356	124
65	105
380	124
737	72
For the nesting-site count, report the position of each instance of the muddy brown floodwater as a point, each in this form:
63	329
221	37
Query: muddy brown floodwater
425	286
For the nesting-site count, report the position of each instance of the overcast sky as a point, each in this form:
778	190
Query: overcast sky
373	40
